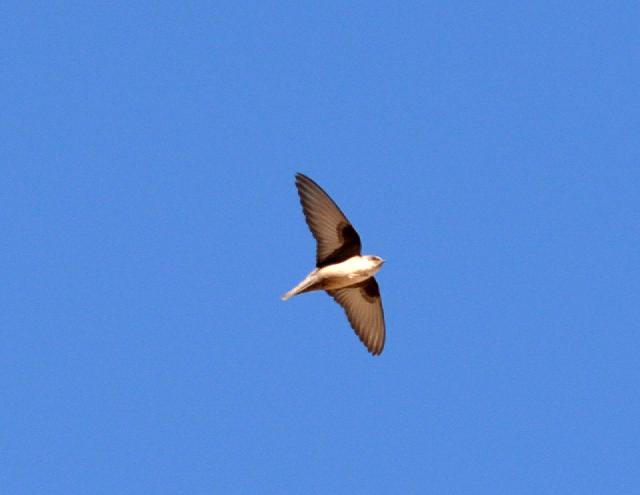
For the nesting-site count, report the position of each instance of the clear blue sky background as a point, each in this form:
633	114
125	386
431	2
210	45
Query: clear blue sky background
488	151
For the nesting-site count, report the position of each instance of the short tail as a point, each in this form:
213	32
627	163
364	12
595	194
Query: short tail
288	295
306	285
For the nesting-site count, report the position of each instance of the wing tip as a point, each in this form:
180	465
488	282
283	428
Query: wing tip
374	348
302	179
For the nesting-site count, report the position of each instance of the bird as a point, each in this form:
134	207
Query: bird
341	270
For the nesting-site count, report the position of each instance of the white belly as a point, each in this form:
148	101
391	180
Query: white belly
349	272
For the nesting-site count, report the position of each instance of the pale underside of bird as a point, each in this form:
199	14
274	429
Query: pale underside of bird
341	270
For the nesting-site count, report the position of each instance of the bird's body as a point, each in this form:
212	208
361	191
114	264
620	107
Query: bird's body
341	270
339	275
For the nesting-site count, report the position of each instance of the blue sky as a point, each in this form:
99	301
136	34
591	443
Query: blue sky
488	151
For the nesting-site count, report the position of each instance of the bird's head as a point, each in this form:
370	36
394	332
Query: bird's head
376	260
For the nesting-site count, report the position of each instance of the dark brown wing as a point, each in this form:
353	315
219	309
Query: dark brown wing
336	238
363	307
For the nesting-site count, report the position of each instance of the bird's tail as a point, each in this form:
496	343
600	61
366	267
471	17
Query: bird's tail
308	284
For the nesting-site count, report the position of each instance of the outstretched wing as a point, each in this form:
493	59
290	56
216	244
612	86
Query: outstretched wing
336	238
363	307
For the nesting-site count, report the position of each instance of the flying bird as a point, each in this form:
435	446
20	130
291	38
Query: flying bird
341	270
